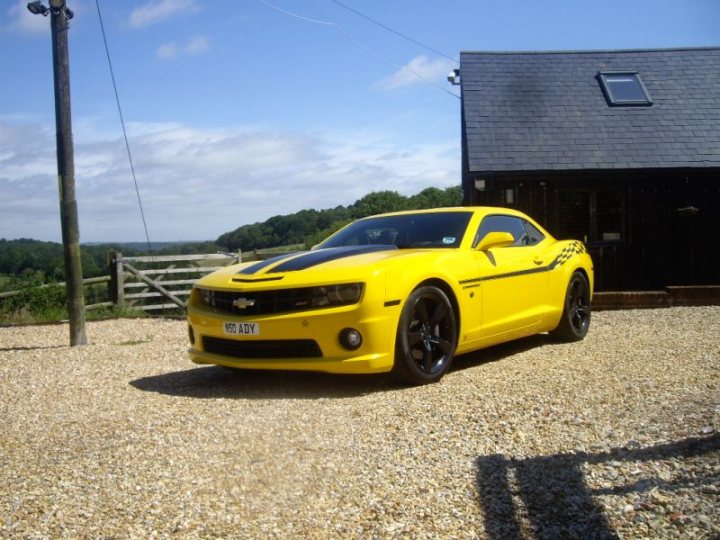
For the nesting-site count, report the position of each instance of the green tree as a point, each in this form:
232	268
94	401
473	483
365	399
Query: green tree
312	226
378	202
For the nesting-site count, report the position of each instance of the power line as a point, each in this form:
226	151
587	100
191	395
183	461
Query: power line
291	14
358	43
122	123
396	32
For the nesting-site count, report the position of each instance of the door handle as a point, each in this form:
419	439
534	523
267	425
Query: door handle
537	259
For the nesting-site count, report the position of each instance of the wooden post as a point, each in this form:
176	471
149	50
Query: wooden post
117	280
59	16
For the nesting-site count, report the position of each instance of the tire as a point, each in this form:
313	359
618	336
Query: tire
575	320
426	337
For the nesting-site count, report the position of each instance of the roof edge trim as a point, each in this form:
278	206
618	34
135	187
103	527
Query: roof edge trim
595	51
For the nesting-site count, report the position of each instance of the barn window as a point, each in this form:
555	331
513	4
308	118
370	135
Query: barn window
509	196
595	216
624	88
609	210
574	214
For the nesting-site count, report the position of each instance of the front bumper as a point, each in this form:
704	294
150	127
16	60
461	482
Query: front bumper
375	355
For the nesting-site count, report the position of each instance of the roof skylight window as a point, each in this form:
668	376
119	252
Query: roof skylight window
623	88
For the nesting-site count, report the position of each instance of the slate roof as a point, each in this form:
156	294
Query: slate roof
546	110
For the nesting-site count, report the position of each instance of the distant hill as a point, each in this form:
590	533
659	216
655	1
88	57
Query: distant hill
29	261
143	246
163	248
33	261
311	226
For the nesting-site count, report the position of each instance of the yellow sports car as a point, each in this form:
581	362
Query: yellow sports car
402	292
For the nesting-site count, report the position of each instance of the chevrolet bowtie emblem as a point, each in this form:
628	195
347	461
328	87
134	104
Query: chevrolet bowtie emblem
242	303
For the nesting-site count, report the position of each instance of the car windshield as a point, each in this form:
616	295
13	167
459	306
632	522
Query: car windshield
431	230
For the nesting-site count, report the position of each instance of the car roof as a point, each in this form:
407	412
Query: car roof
484	210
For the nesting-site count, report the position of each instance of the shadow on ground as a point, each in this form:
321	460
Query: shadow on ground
500	352
217	382
547	497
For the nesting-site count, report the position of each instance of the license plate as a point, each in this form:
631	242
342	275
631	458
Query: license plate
242	329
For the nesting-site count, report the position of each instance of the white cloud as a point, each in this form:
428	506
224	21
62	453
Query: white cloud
199	183
157	11
195	46
167	51
418	71
21	20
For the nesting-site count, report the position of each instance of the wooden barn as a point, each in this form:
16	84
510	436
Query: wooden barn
620	149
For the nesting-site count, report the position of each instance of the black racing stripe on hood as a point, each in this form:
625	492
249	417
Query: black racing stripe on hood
267	262
320	256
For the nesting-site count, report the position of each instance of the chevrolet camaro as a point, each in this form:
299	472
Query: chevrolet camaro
403	292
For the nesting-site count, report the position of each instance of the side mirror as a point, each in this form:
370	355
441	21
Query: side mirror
495	239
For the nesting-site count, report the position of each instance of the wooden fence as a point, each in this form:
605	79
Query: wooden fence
162	282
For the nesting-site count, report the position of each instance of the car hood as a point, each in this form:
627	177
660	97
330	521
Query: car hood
309	259
307	267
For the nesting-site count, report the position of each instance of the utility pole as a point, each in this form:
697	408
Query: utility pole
59	16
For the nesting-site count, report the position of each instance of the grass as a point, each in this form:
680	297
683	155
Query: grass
48	304
59	314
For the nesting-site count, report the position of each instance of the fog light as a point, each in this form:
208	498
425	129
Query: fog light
191	335
350	338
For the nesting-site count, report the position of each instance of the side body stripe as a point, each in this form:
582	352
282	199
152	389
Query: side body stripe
575	248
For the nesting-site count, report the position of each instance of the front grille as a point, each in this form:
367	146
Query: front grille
266	302
279	348
269	302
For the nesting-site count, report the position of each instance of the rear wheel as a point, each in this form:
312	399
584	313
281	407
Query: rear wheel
575	320
426	337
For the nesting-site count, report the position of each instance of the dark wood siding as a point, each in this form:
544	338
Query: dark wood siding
645	230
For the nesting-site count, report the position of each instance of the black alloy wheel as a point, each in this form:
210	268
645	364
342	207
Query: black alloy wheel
575	321
426	337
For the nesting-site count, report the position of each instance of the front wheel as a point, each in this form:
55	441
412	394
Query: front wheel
426	337
575	320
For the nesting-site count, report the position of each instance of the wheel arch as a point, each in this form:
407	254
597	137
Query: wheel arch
582	270
445	287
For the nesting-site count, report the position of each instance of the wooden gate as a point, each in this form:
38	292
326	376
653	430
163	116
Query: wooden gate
160	282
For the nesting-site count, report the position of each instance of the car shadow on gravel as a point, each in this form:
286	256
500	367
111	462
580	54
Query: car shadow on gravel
547	497
214	382
500	352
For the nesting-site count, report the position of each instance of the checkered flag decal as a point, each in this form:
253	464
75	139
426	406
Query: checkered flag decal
568	252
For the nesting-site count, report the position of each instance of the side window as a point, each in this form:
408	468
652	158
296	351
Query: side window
509	224
534	236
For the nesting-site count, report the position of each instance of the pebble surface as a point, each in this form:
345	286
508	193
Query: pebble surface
613	437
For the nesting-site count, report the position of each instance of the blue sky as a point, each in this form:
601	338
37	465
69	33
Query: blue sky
237	111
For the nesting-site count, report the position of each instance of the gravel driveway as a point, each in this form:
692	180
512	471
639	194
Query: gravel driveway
616	436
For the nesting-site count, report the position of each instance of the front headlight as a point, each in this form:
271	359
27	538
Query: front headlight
207	297
336	295
345	294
